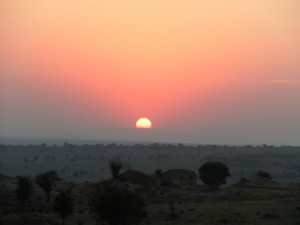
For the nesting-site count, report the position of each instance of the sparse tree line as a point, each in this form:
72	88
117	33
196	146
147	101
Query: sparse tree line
44	148
281	161
114	205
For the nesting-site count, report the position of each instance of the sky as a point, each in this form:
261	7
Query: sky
203	71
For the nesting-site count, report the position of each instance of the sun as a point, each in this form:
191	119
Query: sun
143	123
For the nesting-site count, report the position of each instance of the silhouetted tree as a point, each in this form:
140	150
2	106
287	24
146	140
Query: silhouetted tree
63	204
46	181
117	206
214	174
263	174
158	173
172	208
115	167
24	188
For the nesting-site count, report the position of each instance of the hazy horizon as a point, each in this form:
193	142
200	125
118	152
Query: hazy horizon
133	136
213	72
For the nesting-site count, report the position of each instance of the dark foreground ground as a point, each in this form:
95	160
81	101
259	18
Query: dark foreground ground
235	205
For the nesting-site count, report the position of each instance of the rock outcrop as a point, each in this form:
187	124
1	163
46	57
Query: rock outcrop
183	178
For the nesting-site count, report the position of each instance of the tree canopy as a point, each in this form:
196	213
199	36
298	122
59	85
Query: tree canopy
46	181
115	167
63	204
214	174
24	188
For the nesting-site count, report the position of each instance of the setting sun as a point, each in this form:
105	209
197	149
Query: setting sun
143	123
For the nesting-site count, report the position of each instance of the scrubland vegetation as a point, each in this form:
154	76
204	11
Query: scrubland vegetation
149	184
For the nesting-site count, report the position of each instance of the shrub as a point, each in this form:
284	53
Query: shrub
117	206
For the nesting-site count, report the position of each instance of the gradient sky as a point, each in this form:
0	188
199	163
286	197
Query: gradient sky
214	71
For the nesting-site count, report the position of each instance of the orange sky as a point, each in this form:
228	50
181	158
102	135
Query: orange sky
208	69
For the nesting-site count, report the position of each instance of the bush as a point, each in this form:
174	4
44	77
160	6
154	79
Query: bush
117	206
